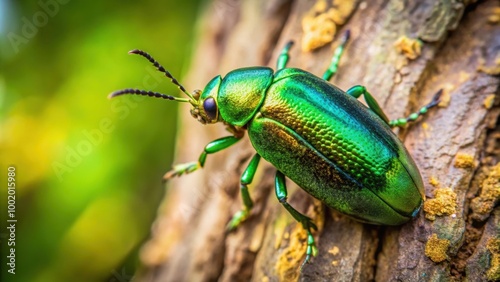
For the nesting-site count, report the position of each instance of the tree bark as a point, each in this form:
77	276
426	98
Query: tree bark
455	146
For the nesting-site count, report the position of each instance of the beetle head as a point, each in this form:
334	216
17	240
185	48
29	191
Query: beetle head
206	109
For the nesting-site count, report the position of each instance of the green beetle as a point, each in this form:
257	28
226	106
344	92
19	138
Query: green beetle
322	138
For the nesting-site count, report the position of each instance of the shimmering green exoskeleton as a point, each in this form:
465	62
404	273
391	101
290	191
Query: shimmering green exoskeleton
322	138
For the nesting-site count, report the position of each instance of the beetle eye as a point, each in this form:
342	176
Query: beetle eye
210	108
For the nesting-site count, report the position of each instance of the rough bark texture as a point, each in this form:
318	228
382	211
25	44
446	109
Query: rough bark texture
459	55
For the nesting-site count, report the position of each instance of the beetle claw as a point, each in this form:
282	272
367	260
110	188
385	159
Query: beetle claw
312	250
237	219
181	169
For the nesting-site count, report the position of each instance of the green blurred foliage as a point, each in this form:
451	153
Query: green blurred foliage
88	169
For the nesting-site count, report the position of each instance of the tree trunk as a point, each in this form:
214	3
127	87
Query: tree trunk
455	146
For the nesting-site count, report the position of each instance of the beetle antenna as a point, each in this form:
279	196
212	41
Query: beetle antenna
162	69
147	93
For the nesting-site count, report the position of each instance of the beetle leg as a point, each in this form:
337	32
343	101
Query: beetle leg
281	194
284	56
246	179
359	90
212	147
412	117
334	65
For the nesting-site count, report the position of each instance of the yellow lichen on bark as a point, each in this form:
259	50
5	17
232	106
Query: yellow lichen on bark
463	160
320	23
493	273
436	248
444	203
409	47
494	18
290	259
490	194
334	251
491	70
488	101
433	181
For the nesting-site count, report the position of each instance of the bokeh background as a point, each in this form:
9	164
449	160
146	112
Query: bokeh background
88	169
